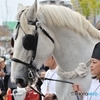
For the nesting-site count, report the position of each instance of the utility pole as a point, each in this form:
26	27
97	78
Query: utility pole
6	10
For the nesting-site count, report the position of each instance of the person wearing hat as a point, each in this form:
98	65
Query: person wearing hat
7	79
2	75
94	90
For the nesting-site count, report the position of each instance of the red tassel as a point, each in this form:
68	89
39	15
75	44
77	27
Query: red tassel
9	94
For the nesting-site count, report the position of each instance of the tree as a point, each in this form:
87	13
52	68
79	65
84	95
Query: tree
95	8
88	7
82	7
85	8
76	5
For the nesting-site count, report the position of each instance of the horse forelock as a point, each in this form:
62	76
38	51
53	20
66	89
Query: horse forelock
21	16
24	23
63	17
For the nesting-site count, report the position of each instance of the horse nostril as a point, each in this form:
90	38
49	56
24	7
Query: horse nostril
21	82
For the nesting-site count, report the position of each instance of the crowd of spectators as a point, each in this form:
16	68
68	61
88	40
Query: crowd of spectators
5	81
5	72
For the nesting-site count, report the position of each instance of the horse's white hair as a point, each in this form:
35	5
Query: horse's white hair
63	16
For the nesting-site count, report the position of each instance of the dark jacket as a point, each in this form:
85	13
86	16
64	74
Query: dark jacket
7	79
3	89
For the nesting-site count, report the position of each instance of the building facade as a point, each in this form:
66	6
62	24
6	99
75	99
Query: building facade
66	3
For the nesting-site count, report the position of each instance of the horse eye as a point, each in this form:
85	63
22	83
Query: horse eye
12	42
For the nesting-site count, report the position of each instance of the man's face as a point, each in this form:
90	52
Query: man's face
49	62
2	65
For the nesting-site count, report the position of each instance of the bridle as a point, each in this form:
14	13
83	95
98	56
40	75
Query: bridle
32	69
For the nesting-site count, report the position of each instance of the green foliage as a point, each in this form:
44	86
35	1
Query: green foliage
87	7
77	8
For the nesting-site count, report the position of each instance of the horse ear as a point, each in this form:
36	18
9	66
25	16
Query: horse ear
32	11
20	7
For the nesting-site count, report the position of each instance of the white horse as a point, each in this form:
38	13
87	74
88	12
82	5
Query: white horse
67	35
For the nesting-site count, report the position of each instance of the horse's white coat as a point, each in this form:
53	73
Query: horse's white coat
74	39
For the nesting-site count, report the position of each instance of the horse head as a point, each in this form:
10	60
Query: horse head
32	45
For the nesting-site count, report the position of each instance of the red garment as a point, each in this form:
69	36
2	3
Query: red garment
32	95
9	94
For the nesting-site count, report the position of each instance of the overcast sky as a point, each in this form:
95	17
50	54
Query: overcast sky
12	9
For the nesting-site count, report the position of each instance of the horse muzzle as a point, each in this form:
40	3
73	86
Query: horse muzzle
21	82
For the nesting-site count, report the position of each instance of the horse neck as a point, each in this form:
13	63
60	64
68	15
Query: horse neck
72	48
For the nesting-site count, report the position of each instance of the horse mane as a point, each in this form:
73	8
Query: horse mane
64	16
61	16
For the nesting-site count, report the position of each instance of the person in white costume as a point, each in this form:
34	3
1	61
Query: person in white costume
48	87
94	91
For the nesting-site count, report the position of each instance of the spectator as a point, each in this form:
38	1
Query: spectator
7	79
94	91
2	75
44	67
42	74
48	87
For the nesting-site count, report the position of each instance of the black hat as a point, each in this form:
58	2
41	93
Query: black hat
96	51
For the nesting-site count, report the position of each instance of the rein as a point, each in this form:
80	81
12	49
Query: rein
56	81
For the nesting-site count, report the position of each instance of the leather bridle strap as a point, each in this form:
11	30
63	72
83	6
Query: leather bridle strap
76	93
37	24
19	61
45	32
56	81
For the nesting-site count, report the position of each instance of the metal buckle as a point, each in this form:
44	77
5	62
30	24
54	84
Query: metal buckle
38	24
31	74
